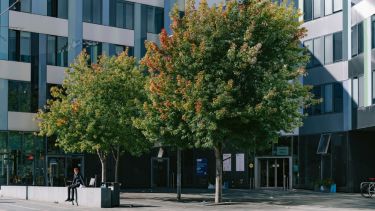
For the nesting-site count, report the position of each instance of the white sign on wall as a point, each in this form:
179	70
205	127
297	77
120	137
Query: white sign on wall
240	162
227	162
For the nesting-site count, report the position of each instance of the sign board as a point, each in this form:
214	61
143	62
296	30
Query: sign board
227	162
240	162
201	169
282	151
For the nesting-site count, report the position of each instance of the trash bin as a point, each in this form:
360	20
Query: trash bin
115	194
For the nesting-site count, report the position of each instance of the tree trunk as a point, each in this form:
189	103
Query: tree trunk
178	174
219	173
103	161
117	160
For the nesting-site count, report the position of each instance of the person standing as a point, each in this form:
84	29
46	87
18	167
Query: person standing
77	181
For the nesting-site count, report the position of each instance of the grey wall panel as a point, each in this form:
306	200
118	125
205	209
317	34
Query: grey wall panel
3	104
323	124
326	74
365	117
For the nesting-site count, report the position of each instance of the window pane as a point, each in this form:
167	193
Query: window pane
373	87
319	51
51	50
360	38
309	45
328	98
97	11
328	49
373	32
25	6
119	49
361	92
62	51
119	14
355	92
354	40
62	9
317	109
317	8
337	5
12	46
338	97
19	96
129	15
150	19
87	5
337	46
307	10
25	47
328	7
159	19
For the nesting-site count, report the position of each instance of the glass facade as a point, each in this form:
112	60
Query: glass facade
332	96
155	19
357	39
93	49
57	8
57	51
122	14
324	50
19	47
22	159
92	11
21	6
19	96
313	9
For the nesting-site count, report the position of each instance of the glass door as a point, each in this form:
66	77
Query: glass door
56	173
274	172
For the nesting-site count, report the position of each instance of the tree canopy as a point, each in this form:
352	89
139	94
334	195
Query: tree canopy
228	76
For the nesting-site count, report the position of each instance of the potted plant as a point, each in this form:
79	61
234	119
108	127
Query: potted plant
328	185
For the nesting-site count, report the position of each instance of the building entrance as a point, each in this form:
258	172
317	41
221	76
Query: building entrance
273	172
159	172
60	168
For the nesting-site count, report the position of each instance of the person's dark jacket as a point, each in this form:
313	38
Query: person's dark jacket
77	179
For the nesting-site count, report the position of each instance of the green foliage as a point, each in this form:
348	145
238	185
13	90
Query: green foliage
93	111
227	76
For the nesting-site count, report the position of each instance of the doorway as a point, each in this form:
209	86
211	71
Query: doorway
60	168
159	172
273	172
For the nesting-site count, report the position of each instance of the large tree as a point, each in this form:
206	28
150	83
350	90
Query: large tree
229	76
93	111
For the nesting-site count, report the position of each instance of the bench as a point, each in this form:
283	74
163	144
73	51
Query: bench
89	197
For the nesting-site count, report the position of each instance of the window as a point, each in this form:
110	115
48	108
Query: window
337	5
328	7
19	47
355	93
92	11
310	47
307	10
338	97
19	96
318	51
317	109
373	87
57	8
328	98
118	49
57	51
373	31
317	9
328	49
123	15
155	19
360	91
93	49
360	38
337	46
21	6
324	142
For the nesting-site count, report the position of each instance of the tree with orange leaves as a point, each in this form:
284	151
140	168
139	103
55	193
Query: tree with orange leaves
227	77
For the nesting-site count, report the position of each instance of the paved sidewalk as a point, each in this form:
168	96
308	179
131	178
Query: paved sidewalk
160	200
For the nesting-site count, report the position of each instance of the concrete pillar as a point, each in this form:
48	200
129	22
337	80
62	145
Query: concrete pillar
347	104
75	29
367	62
4	22
140	30
3	104
347	31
